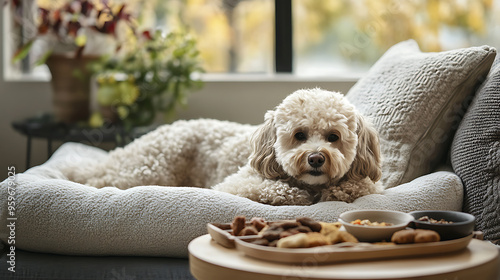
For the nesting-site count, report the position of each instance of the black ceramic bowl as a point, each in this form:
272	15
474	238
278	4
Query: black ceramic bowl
463	223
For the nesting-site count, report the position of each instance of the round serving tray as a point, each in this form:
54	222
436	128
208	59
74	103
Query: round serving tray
344	252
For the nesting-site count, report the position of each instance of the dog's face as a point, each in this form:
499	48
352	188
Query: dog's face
316	137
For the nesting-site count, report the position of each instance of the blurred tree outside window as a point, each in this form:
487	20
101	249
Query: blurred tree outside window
234	36
348	36
330	37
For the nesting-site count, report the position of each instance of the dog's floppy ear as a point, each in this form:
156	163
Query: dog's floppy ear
367	162
263	157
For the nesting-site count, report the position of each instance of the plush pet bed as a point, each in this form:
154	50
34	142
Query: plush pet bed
314	146
414	115
58	216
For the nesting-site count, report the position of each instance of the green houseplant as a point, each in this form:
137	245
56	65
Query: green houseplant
71	35
139	74
153	75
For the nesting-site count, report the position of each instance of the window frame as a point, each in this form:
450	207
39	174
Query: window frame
283	41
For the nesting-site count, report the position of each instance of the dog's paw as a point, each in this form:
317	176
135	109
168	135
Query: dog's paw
285	195
350	190
336	193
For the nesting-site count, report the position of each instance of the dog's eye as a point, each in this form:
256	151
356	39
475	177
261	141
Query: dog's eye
333	138
301	136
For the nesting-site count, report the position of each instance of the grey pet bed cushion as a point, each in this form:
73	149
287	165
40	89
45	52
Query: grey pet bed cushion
55	215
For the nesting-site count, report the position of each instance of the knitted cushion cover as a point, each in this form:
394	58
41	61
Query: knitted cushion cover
414	100
475	155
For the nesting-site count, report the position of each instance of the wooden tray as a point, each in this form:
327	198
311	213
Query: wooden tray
221	233
342	252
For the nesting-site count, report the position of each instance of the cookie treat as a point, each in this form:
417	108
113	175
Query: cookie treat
409	236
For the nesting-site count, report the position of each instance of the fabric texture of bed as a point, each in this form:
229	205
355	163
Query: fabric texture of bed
58	216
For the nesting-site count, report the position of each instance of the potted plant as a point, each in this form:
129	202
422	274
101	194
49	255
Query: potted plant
153	74
73	34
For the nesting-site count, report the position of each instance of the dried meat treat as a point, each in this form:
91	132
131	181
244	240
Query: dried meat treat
287	233
299	240
285	225
271	235
424	236
248	230
310	223
238	225
301	233
433	221
303	229
258	223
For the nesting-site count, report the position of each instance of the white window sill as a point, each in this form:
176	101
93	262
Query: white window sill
216	78
273	77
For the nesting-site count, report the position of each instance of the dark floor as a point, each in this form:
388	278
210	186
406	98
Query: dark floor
30	265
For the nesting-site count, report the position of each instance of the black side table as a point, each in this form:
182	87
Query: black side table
46	127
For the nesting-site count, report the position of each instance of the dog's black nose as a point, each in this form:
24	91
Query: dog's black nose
316	160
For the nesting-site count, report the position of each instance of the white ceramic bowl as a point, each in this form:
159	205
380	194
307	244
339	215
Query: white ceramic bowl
399	221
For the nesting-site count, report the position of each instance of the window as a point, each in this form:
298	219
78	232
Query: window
338	37
233	35
307	37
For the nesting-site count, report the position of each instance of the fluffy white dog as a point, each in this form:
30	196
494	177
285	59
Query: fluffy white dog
313	147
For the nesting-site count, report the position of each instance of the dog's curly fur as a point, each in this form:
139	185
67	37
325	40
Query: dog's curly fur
312	147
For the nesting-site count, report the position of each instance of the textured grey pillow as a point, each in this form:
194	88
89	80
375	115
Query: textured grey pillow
475	155
414	100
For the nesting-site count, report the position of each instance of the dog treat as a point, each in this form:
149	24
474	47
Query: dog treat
433	221
369	223
248	230
241	228
295	230
329	227
409	236
271	235
238	225
302	233
424	236
313	239
258	223
333	236
316	239
294	241
347	237
303	240
285	225
405	236
310	223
